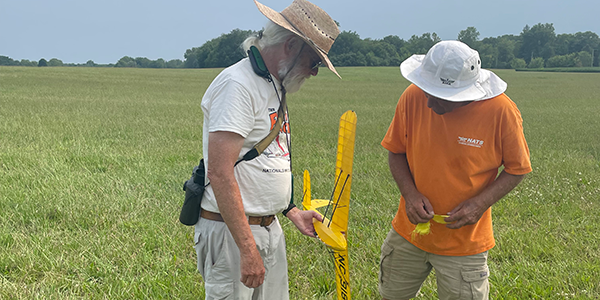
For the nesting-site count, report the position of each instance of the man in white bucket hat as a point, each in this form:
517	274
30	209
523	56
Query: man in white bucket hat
453	129
238	239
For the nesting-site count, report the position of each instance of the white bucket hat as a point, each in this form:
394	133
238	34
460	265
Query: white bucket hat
310	23
452	71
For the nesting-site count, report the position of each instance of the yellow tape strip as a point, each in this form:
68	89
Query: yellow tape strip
425	228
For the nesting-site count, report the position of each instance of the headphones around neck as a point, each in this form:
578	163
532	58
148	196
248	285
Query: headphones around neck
258	64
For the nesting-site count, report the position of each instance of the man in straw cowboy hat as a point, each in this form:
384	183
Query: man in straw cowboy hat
453	129
239	242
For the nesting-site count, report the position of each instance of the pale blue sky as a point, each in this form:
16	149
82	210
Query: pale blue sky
75	31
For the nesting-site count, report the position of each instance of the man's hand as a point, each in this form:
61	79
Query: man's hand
303	219
466	213
470	211
418	208
253	270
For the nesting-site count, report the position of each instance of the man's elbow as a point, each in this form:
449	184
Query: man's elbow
219	175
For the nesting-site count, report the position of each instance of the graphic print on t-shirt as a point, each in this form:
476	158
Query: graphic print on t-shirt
279	147
470	142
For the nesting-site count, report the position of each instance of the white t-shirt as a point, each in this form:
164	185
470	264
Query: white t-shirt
242	102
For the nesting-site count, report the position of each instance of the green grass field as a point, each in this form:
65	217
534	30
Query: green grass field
92	162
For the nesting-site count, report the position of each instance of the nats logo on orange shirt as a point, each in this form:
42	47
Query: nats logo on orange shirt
470	142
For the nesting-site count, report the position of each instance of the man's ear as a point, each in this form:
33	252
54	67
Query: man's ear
290	44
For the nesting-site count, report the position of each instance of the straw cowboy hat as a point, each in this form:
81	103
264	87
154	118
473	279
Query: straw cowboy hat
310	23
452	71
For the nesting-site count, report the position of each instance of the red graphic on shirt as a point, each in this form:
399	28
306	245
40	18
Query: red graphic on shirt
285	127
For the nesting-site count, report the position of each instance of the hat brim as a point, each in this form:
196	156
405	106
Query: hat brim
280	20
489	85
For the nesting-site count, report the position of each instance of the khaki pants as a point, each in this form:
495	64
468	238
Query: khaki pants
219	262
404	267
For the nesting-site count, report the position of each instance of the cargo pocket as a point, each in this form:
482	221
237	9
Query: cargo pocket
218	291
475	284
384	264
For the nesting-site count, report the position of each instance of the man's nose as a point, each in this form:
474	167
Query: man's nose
314	71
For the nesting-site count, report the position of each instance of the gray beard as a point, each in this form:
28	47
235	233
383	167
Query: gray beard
292	79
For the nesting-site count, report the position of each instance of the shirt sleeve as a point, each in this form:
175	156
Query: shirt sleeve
515	152
231	109
395	138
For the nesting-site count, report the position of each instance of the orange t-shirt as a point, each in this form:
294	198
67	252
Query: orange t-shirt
453	157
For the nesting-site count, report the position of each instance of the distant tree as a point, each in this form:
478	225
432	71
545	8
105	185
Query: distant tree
28	63
142	62
386	54
220	52
489	55
400	46
350	50
373	60
536	63
55	62
469	36
395	41
7	61
158	64
42	63
422	44
506	46
90	63
585	58
175	63
584	41
196	57
562	44
538	41
350	59
126	62
563	61
345	51
518	63
349	41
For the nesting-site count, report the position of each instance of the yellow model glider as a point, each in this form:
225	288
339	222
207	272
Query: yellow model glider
333	233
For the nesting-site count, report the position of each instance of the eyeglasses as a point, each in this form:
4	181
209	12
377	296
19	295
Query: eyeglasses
316	64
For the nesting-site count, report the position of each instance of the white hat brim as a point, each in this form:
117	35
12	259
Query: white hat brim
489	85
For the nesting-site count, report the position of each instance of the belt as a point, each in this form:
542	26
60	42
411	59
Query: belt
262	221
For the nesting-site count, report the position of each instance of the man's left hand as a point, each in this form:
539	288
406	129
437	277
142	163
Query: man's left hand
467	213
303	219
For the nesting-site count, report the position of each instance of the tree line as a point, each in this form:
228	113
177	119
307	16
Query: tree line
535	47
125	61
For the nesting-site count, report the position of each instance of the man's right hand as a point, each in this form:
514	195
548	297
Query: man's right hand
418	208
253	270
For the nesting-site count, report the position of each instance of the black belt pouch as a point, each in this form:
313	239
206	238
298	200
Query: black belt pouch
194	190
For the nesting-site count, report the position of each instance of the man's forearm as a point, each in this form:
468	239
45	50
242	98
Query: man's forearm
230	205
401	173
503	184
223	151
470	211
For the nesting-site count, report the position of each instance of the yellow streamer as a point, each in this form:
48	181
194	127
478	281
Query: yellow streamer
425	228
